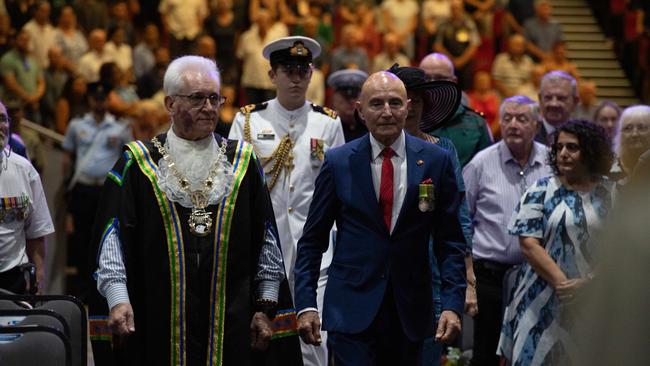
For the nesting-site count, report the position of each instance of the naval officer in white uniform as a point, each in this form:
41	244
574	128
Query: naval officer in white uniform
290	136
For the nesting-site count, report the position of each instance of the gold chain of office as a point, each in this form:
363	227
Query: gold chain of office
282	157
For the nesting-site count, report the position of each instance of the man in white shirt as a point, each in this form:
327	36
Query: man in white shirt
41	33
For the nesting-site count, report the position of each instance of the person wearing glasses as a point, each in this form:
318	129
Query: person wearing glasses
557	220
189	259
634	140
24	216
495	179
291	136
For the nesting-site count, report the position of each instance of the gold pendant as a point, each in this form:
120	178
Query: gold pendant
200	222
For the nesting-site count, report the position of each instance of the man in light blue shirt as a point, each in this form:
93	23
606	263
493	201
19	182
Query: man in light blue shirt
495	179
94	142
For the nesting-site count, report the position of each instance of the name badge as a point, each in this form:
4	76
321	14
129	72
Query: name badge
266	134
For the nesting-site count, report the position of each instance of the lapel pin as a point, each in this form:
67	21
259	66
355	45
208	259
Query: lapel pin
420	162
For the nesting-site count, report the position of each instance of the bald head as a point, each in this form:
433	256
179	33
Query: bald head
438	67
383	105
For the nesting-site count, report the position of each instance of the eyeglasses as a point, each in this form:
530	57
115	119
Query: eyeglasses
571	147
198	99
521	118
640	127
4	119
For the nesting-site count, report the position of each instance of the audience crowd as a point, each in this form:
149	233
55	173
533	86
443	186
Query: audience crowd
92	71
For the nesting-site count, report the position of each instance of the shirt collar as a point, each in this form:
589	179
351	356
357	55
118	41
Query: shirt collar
286	114
399	146
537	154
549	127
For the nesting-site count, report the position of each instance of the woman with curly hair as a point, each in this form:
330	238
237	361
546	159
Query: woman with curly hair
556	221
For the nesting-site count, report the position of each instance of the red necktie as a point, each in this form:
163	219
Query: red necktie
386	186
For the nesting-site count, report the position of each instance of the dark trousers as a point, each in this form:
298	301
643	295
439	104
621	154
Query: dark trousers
382	344
13	280
83	207
487	323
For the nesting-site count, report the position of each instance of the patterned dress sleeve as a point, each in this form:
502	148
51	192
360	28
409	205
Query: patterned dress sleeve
528	218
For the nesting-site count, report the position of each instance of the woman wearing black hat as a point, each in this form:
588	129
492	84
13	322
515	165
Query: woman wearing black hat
433	103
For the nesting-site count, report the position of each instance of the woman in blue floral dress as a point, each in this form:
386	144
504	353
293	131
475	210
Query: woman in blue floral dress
556	220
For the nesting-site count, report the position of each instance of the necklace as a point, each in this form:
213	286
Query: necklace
200	220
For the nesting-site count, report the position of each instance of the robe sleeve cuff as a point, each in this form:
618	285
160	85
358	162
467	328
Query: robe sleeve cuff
268	290
117	293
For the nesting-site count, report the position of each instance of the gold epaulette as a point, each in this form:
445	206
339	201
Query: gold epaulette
253	108
247	110
326	111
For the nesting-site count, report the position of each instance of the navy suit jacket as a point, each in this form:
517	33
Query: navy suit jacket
367	256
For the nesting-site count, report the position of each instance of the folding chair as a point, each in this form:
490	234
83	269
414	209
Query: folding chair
72	311
33	346
42	317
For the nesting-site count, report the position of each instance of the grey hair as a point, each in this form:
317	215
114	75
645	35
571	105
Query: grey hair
175	80
635	113
557	75
533	106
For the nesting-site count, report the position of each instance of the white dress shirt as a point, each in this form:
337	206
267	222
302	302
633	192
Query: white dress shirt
399	172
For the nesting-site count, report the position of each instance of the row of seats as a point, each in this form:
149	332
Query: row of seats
37	330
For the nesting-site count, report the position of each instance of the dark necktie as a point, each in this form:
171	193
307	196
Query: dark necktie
386	186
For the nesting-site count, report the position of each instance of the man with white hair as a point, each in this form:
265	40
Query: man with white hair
495	179
558	99
189	257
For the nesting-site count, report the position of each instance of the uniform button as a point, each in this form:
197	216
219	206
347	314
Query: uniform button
291	187
290	209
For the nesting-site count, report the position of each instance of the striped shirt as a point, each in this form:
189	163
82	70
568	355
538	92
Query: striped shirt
494	183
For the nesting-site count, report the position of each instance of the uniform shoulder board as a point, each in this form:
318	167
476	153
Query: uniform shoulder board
326	111
470	110
253	108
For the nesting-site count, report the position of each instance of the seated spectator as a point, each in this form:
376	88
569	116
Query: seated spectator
310	28
541	31
349	55
368	37
434	13
401	18
56	76
72	103
588	100
147	120
206	47
22	77
607	115
517	12
151	82
532	87
390	55
459	39
511	69
557	60
257	85
347	9
34	147
26	217
485	100
482	11
183	23
223	28
120	51
96	56
143	57
120	18
72	42
41	32
120	101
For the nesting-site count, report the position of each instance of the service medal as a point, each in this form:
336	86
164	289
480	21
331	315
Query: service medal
427	199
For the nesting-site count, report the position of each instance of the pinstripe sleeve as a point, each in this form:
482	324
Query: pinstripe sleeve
270	267
111	275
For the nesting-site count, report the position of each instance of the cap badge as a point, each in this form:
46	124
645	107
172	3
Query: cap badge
298	49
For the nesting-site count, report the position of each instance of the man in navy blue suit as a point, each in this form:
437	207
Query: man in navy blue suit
388	193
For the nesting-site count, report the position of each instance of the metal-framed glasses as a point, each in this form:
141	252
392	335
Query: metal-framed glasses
198	100
4	119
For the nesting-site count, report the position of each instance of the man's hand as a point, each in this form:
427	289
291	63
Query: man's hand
261	331
567	290
309	327
471	305
448	327
120	320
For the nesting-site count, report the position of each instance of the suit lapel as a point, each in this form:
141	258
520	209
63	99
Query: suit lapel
414	175
362	179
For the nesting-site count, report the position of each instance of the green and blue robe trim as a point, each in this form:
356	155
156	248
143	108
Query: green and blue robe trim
118	177
175	250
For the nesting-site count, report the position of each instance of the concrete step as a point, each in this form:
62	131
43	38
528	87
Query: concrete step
580	28
591	55
556	4
590	37
575	19
598	64
617	92
573	11
611	82
585	45
606	73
